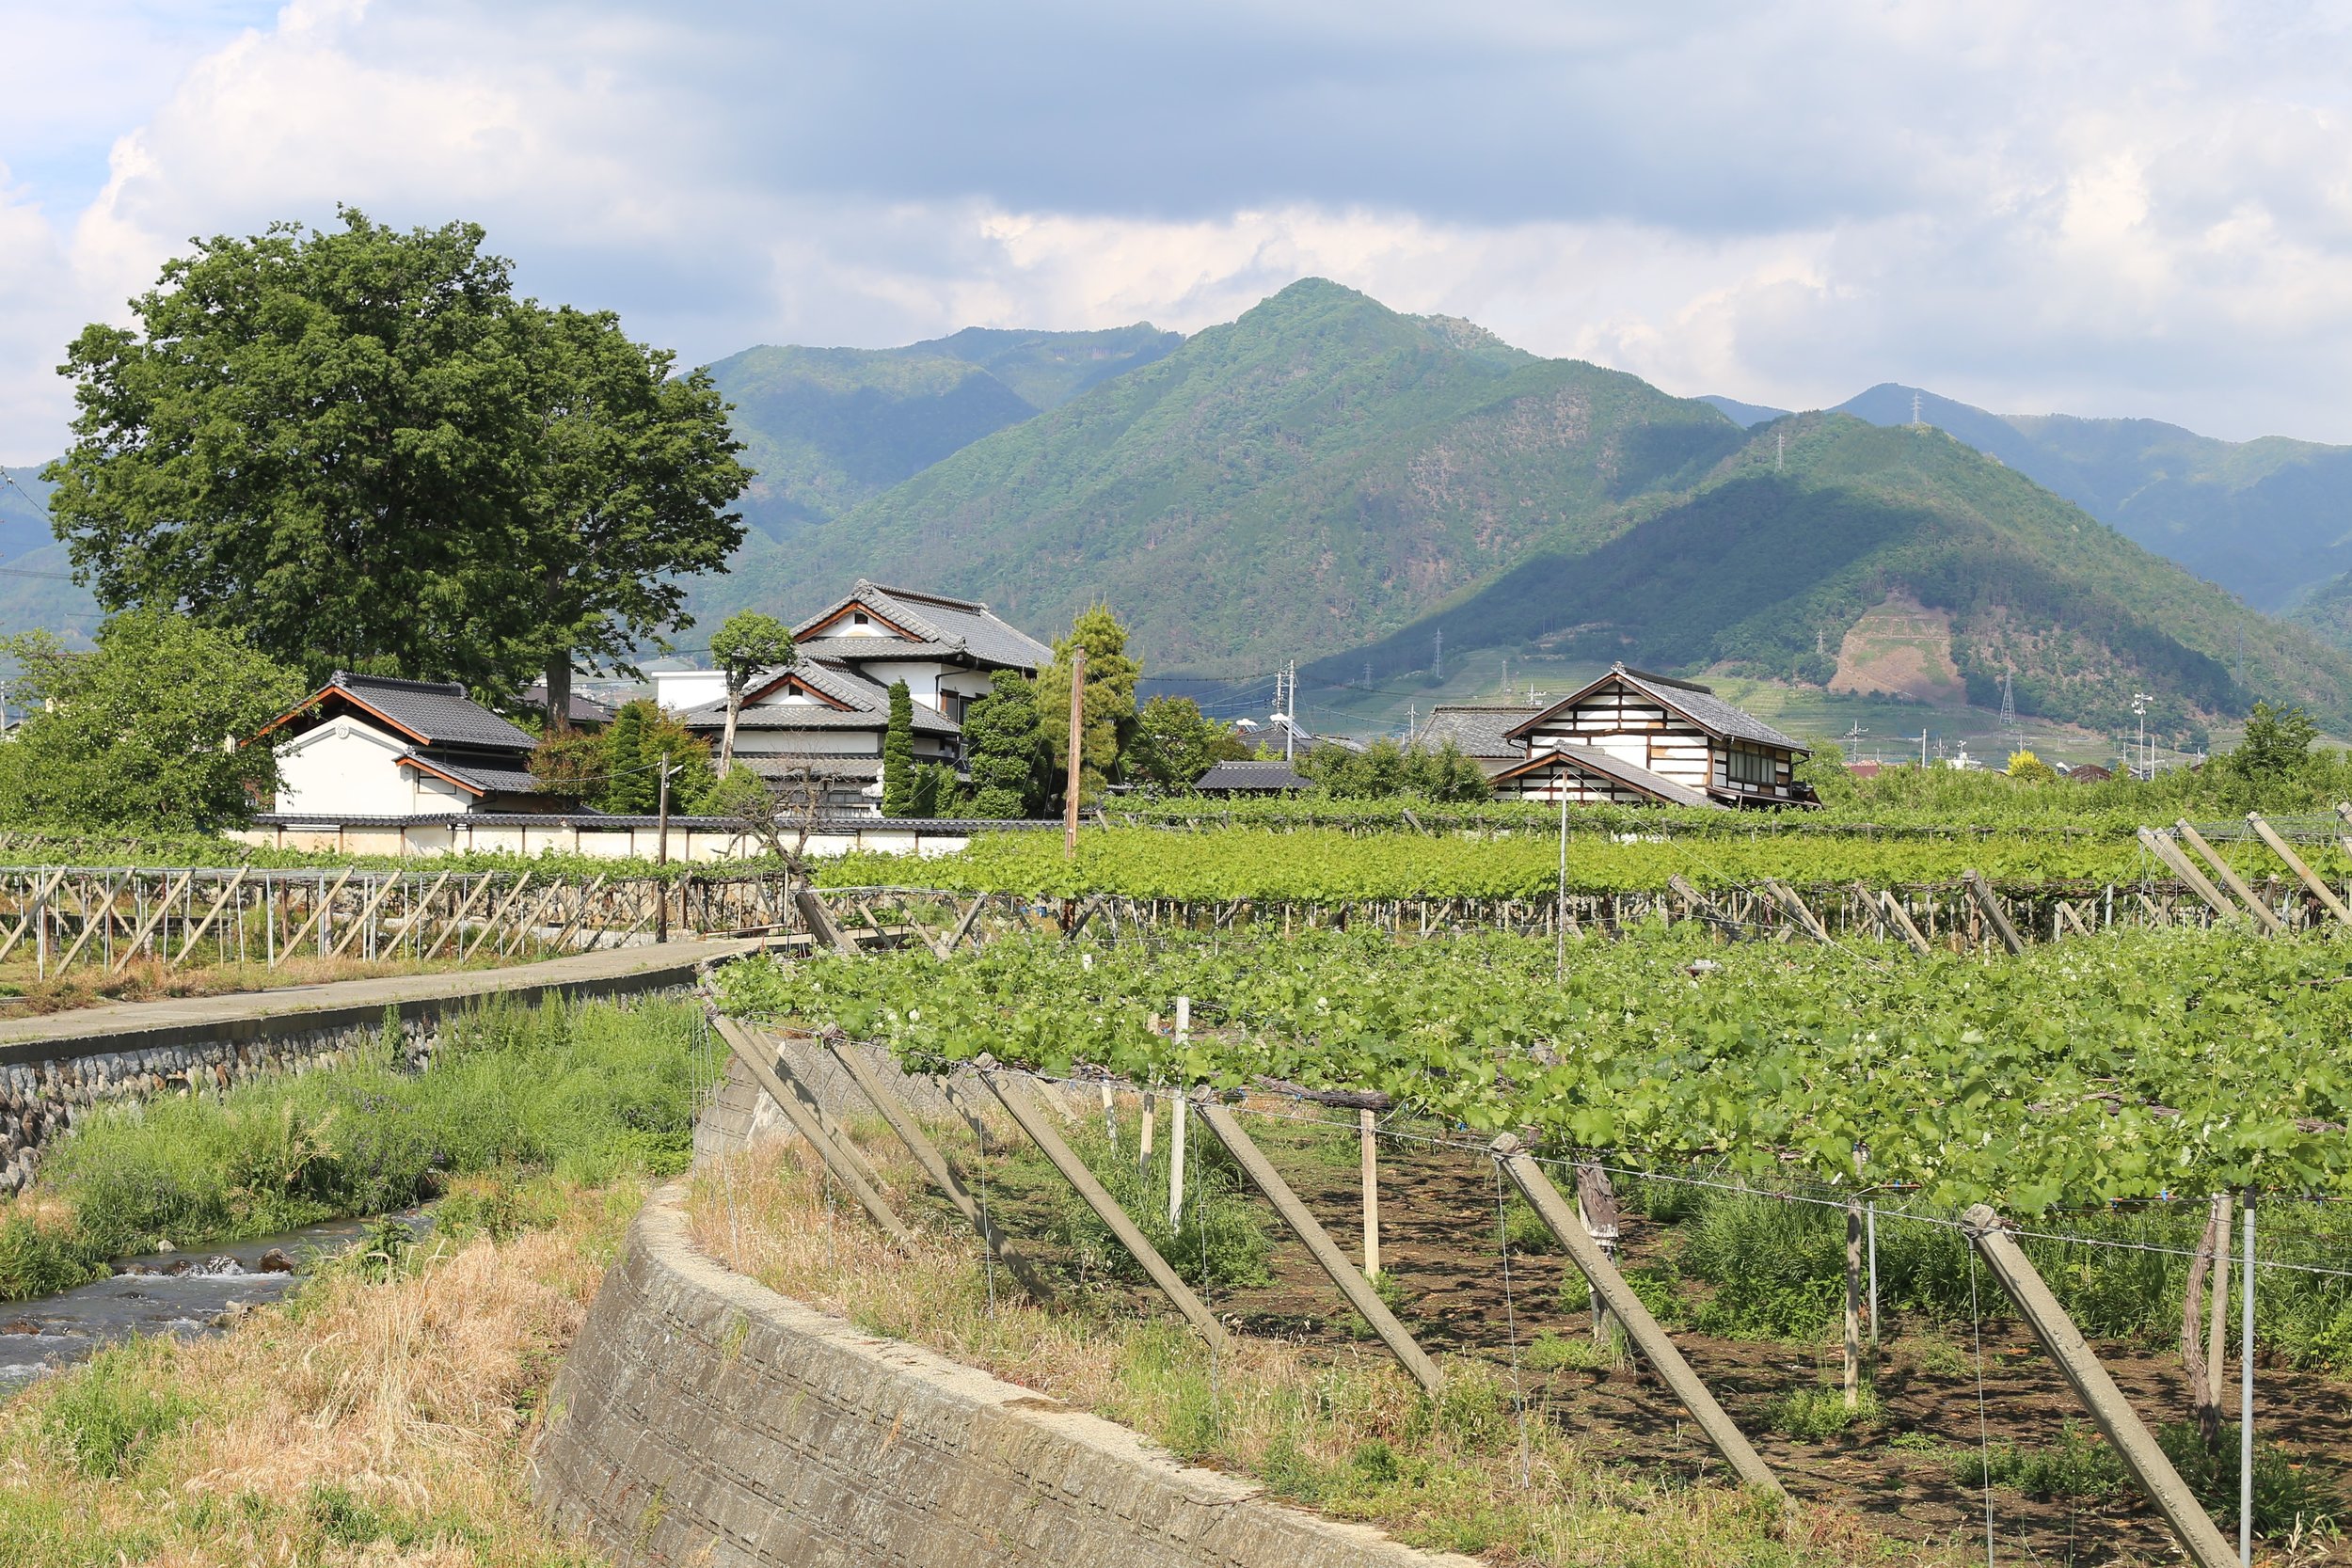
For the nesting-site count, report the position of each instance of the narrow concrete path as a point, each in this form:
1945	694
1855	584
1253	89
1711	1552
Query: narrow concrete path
130	1025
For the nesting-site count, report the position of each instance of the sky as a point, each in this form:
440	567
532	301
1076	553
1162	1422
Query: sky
2098	209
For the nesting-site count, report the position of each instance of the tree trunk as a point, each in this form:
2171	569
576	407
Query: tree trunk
726	740
560	693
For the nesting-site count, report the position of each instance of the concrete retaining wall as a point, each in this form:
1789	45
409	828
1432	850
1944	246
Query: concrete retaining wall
702	1418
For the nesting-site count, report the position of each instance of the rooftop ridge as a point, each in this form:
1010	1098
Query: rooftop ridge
1665	680
346	678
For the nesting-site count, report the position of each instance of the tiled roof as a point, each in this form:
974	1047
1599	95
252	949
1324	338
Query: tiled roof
869	709
585	709
1481	730
1594	763
1250	775
432	713
957	624
813	765
1695	703
476	774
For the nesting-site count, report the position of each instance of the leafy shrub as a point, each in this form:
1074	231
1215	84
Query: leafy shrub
1221	1244
109	1413
1812	1414
2288	1491
2078	1465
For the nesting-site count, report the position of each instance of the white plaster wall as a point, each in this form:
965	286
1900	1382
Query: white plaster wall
345	767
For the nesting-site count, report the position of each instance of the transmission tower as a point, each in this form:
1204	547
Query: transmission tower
2009	704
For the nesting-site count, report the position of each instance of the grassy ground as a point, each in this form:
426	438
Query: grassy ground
380	1417
585	1090
1342	1431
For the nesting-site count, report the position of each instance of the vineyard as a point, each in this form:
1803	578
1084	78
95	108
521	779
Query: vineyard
1759	1109
2081	1073
1328	866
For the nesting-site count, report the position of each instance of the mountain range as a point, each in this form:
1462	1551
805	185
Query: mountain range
2268	519
1328	479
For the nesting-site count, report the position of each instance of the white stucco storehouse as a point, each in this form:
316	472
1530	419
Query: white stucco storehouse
364	746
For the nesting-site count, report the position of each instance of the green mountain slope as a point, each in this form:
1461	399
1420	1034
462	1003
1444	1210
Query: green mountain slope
37	589
1320	468
2268	519
1765	570
829	427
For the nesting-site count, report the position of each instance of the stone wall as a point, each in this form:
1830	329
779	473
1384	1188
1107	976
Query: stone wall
704	1419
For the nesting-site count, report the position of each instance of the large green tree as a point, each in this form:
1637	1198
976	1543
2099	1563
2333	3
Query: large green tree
746	644
358	448
1174	743
144	732
898	776
1005	751
1107	719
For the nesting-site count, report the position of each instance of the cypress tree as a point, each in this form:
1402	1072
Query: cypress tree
898	754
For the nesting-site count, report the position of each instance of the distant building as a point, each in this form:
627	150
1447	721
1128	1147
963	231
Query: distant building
586	712
822	719
1482	731
1251	777
371	746
1864	769
1632	737
2088	772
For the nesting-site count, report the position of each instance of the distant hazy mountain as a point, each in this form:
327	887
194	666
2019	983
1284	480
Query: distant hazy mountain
830	427
2268	519
1321	470
36	577
1749	414
1894	560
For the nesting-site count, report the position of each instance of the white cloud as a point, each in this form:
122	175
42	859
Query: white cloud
2098	208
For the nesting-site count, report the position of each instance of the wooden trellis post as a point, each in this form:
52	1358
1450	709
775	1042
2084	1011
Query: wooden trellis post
2235	884
805	1122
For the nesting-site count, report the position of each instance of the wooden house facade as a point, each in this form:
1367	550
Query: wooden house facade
1635	738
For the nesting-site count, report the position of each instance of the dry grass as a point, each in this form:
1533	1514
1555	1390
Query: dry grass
88	985
372	1419
1345	1432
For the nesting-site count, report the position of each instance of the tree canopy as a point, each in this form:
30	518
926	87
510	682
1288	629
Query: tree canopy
145	731
358	448
1108	703
1174	743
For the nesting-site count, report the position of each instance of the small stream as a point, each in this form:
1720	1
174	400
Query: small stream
177	1292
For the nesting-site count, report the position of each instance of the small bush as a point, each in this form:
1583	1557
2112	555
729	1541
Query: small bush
2079	1465
110	1412
2288	1491
1812	1414
1221	1244
1553	1352
1526	1230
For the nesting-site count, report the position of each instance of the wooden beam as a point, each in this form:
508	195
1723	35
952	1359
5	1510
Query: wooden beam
963	926
805	1123
935	1166
1325	1252
2304	874
187	944
2127	1435
351	933
491	926
32	908
1640	1326
457	917
2235	884
1785	896
423	904
2182	866
1012	1093
1993	914
1900	918
155	917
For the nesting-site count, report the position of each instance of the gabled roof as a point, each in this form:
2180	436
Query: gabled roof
427	713
956	625
473	777
1250	775
1480	729
1695	703
1594	763
858	704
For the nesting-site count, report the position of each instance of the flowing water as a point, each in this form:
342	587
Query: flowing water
185	1293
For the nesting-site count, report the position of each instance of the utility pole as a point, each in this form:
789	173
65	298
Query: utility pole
1077	738
1439	669
1923	745
661	853
2139	709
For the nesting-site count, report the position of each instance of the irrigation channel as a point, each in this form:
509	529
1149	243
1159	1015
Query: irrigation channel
177	1294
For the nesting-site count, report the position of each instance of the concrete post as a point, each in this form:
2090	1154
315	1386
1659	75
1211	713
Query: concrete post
2096	1389
1325	1251
1642	1329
